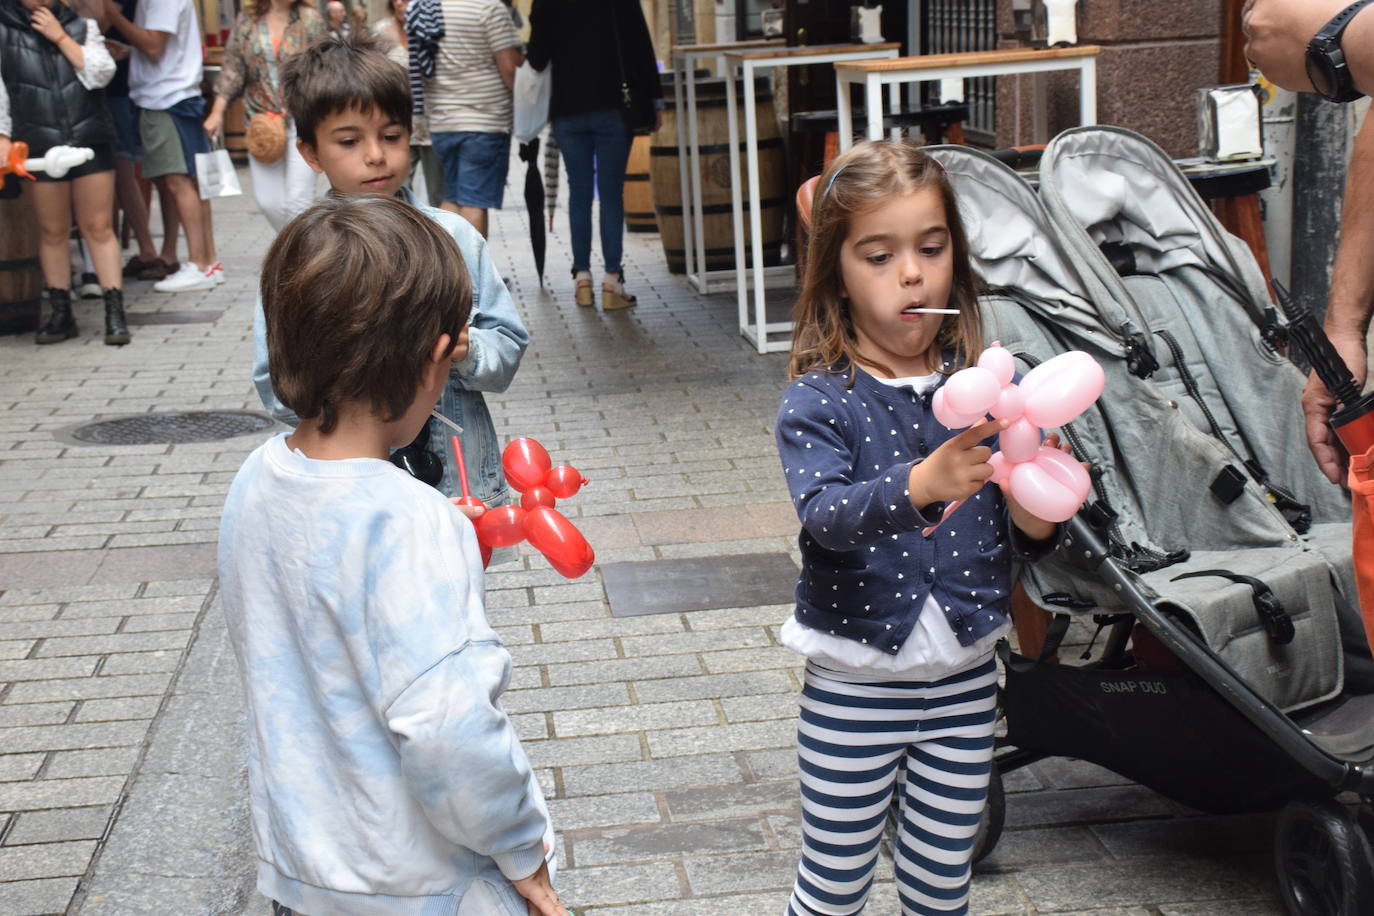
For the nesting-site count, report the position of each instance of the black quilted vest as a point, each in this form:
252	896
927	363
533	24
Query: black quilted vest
48	104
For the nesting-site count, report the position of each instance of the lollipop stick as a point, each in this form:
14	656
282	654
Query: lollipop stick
949	510
462	466
446	421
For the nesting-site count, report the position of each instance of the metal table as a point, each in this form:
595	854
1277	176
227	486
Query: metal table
871	75
685	60
750	61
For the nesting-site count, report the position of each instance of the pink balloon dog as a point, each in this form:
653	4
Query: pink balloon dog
1047	482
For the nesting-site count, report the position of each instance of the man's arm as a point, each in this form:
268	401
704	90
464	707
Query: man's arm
1277	33
504	42
508	60
1351	303
149	42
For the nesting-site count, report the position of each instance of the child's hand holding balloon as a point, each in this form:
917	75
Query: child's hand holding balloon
1035	527
957	469
530	471
1044	482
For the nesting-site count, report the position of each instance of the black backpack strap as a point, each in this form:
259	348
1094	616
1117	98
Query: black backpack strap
1276	621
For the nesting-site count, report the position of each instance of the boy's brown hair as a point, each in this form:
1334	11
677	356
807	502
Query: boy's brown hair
335	74
355	292
865	176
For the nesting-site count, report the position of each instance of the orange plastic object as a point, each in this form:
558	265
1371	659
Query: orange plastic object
19	152
1362	534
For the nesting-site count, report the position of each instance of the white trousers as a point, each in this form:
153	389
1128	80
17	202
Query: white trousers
285	187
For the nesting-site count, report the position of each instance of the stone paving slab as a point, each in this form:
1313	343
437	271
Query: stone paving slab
664	743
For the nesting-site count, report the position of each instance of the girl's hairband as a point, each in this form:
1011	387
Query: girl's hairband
837	172
832	179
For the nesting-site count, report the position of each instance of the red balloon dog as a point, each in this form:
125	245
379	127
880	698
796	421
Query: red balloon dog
530	471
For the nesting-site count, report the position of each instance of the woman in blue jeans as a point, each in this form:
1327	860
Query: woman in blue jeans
599	49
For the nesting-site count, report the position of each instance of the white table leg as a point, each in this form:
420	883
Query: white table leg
894	101
751	140
873	102
694	152
1040	108
844	112
736	206
680	125
1087	91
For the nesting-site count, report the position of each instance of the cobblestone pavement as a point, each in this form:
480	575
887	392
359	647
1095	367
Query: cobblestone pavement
663	741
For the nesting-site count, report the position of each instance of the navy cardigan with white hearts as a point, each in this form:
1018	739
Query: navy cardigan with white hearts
866	568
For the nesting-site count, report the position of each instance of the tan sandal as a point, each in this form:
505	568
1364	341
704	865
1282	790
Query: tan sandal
583	288
613	295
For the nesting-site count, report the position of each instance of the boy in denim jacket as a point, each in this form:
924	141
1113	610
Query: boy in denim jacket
352	109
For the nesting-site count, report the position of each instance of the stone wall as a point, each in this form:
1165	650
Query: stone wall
1154	57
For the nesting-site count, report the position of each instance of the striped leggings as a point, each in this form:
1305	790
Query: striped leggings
932	740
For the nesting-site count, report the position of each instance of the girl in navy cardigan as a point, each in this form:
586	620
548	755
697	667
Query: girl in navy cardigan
898	629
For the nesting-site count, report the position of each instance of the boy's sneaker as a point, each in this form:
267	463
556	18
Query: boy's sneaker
188	279
90	287
216	273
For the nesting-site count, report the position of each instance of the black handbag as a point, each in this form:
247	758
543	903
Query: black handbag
636	106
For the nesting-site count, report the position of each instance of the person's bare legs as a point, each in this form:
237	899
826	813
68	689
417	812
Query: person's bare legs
93	196
475	215
135	209
208	222
52	204
182	189
171	223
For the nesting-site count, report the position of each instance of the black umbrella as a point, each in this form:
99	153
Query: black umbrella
534	202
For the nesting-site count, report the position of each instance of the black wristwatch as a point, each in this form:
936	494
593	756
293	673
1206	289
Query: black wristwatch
1326	65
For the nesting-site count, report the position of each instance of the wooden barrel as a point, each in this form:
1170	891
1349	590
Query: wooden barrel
713	140
639	197
21	280
236	131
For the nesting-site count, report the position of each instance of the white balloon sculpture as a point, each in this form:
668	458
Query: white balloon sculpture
59	160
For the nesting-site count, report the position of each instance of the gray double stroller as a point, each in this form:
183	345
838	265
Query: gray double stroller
1213	555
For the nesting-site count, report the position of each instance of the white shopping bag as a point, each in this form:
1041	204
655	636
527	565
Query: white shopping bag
215	174
532	91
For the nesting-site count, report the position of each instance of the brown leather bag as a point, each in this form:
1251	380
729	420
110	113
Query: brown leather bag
266	137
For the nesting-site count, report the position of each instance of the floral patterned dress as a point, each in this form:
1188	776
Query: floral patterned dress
246	69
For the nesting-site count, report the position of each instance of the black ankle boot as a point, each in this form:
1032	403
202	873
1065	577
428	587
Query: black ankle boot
116	328
60	325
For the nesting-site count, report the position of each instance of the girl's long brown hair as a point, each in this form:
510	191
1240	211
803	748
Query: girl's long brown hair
866	175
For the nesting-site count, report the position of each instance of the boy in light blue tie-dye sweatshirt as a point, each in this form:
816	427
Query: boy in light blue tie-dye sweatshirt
385	777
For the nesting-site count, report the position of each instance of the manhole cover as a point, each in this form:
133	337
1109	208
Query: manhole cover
172	316
171	428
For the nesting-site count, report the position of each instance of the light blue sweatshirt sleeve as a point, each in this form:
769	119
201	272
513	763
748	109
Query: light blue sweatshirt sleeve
262	379
497	337
463	762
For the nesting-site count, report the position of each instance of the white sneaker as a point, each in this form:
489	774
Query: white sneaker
188	278
89	287
216	273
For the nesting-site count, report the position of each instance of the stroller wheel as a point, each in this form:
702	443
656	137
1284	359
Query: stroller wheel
993	819
1323	860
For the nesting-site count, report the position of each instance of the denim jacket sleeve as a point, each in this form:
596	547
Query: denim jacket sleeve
497	337
262	380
